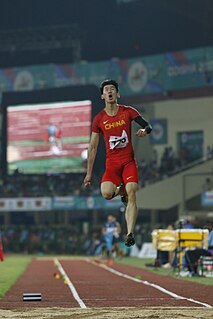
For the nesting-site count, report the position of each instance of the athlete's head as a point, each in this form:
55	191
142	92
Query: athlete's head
108	82
109	91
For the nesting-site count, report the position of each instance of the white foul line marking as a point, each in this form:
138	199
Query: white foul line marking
70	284
118	273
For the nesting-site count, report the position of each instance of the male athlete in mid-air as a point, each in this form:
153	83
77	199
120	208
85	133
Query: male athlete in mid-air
121	174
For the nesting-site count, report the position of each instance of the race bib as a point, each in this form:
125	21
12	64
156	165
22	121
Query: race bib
118	141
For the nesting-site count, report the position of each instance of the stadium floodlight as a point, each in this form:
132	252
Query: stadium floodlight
42	38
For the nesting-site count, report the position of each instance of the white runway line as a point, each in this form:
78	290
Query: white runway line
69	283
118	273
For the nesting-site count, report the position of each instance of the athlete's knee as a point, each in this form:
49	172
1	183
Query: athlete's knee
131	196
108	195
131	192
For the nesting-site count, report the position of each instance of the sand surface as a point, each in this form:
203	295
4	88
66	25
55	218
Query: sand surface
108	313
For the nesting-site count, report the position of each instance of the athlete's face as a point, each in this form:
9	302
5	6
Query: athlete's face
110	93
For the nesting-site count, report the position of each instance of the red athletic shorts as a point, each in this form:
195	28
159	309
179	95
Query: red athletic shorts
117	172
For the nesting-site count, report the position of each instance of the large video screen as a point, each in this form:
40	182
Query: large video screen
48	138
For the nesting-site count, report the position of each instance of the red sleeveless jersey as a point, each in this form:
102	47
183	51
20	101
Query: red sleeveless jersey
116	131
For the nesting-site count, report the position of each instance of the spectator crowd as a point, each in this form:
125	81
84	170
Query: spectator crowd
65	184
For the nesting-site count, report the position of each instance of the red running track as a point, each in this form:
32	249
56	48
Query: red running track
98	287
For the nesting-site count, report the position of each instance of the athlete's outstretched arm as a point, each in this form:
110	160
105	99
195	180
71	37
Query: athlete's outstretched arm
146	126
92	150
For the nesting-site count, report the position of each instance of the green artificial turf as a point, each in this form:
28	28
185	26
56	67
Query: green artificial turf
10	270
141	263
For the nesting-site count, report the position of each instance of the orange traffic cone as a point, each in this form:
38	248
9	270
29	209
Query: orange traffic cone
1	250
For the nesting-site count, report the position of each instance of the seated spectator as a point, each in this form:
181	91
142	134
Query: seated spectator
188	225
192	256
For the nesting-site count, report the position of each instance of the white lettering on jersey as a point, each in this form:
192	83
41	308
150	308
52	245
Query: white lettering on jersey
118	141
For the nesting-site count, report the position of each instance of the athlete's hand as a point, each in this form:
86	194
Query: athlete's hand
141	133
87	181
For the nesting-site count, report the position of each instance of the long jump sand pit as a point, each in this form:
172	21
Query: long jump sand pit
109	313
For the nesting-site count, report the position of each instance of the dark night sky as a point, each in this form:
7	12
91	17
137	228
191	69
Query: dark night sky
112	28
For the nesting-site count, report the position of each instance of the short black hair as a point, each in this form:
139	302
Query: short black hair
108	82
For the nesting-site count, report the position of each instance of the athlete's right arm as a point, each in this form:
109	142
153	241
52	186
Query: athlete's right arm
92	150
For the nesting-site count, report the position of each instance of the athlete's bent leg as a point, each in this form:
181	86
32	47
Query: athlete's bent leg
131	209
109	190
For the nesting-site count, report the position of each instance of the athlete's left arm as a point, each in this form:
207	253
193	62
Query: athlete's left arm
146	126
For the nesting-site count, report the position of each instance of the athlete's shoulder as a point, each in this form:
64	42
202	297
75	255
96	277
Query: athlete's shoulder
98	116
122	106
96	122
127	107
132	111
